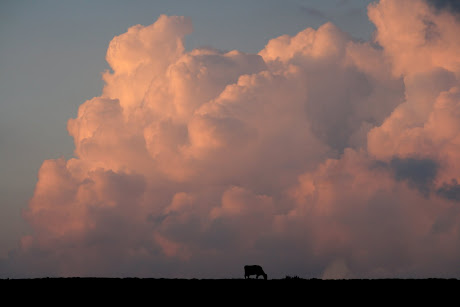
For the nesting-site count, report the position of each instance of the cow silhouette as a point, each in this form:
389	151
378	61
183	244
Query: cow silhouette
254	270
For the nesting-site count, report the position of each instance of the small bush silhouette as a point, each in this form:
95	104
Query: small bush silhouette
292	277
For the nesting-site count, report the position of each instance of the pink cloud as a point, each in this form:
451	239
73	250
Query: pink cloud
319	155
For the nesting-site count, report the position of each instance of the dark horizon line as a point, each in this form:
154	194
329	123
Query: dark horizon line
288	278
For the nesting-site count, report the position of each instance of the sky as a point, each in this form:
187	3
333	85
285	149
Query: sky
189	138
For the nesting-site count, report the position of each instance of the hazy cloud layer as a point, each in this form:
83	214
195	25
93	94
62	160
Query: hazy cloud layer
450	5
312	12
320	156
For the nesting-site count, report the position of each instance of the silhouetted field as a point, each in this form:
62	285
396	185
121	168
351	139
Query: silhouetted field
287	291
286	280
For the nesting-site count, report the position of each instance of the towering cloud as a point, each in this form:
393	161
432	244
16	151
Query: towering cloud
320	156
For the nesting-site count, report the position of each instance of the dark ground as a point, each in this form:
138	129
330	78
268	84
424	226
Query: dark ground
285	292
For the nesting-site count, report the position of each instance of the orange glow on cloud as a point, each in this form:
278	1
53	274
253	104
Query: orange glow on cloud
328	154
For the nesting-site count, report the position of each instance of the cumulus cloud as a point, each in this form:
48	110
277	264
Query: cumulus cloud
320	156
